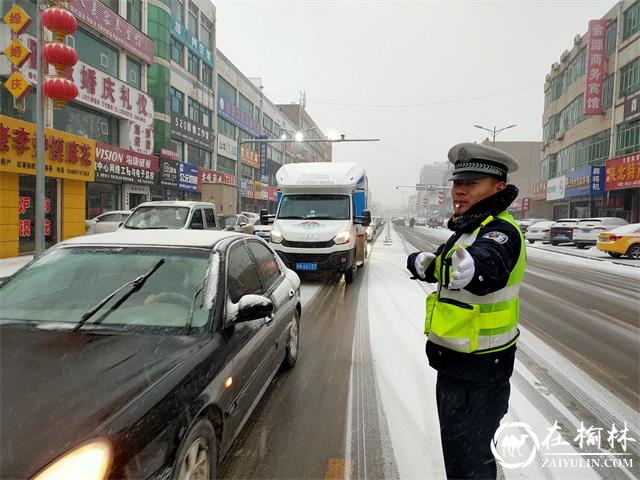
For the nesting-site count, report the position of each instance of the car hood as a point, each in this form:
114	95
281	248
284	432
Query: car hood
310	230
57	388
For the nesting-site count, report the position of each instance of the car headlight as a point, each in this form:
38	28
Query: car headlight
342	237
91	461
276	236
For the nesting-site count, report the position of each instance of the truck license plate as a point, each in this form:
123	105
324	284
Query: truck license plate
306	266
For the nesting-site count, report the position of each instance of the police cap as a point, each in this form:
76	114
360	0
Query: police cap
472	161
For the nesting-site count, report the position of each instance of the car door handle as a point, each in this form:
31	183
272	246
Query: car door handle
268	319
291	293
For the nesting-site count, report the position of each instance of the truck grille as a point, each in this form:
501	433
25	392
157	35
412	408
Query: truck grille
287	243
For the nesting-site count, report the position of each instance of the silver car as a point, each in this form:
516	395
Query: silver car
106	222
173	216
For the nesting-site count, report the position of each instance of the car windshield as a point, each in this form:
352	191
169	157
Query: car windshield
67	282
158	217
321	207
229	221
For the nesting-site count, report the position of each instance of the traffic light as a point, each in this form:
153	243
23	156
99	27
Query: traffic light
441	197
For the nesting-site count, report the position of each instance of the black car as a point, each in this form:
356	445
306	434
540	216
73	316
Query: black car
140	354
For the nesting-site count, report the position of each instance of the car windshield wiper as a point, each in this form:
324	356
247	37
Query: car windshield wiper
187	327
156	228
291	217
136	284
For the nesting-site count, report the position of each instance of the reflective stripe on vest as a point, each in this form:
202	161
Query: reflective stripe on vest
462	321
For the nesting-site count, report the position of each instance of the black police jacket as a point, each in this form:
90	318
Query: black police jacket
495	253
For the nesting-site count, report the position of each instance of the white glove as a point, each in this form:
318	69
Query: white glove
422	262
463	269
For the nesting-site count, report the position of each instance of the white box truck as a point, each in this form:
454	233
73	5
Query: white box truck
321	220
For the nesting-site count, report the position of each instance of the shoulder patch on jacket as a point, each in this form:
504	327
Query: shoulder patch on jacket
497	237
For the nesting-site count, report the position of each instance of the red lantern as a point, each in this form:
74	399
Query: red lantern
60	55
60	90
60	22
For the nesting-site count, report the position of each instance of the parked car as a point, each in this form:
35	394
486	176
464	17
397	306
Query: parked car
107	222
587	230
526	223
237	223
141	353
540	231
263	231
562	231
620	241
174	215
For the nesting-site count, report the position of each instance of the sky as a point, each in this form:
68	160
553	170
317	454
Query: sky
415	74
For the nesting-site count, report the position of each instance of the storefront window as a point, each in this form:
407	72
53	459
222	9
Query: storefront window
226	128
101	198
226	165
27	213
89	123
630	78
199	157
134	13
631	20
179	148
134	73
96	53
226	90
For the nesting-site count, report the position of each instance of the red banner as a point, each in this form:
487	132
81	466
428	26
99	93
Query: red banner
272	192
595	67
623	172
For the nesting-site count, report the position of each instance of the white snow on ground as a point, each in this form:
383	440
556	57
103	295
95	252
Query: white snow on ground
407	384
592	253
604	266
308	291
8	266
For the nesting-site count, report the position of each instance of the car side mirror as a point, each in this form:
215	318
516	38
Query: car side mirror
365	218
243	224
197	226
253	307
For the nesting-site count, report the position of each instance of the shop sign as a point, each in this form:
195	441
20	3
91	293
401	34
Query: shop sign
17	85
539	191
632	107
25	219
231	113
105	21
260	190
168	173
187	177
186	130
17	53
249	156
66	155
17	19
623	172
263	157
595	67
555	188
169	154
114	164
185	37
584	181
211	176
246	188
227	147
272	193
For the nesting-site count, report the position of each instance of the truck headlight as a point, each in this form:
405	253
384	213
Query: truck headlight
276	236
90	461
343	237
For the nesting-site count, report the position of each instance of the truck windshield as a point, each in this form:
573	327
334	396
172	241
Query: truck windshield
319	207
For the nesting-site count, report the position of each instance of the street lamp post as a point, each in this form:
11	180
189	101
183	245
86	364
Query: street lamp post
495	131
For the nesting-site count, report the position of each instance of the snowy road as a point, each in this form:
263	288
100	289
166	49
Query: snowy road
361	401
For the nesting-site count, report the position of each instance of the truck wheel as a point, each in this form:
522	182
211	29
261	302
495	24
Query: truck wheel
350	275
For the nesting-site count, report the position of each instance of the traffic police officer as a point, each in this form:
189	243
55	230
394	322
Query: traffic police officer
472	317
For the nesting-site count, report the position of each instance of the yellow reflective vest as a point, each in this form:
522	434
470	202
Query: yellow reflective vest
468	323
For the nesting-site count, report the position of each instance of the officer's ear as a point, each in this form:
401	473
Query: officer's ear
500	185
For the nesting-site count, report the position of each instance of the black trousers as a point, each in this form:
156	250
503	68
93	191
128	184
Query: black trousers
469	414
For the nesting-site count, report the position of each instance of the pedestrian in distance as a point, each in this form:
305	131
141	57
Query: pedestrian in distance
412	222
472	318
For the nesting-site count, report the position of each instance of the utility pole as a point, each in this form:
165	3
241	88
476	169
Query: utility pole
40	177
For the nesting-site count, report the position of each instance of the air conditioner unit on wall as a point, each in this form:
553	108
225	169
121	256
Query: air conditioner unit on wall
559	135
555	66
577	39
564	55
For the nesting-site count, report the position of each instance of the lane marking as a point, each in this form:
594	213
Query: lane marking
338	469
626	325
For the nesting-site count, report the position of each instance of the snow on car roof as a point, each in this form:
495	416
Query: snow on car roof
165	238
626	229
175	203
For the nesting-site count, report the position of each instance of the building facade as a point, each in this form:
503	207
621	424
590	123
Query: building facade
590	164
